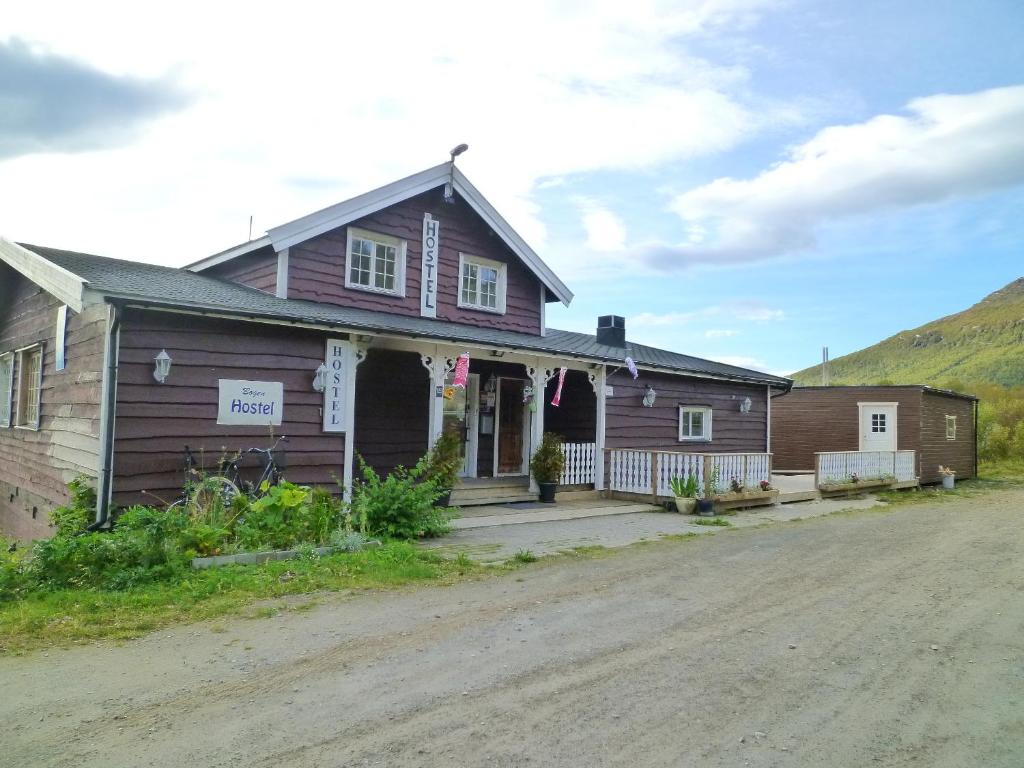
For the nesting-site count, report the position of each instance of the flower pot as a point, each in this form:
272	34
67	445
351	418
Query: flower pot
685	505
547	492
948	482
706	507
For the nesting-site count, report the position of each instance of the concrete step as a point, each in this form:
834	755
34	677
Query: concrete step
493	498
556	512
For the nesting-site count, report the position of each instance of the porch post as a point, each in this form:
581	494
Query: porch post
438	366
539	377
598	380
357	355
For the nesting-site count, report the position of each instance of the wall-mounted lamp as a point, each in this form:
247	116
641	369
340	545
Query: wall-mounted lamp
320	378
745	405
163	366
649	396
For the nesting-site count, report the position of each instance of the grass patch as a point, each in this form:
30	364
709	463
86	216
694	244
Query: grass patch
711	521
68	616
524	556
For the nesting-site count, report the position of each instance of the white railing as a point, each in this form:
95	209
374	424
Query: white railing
650	472
580	463
840	466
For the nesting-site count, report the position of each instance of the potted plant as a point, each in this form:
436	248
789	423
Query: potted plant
686	492
948	477
547	465
706	505
443	466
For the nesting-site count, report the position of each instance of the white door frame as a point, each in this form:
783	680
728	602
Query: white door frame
861	407
497	429
472	425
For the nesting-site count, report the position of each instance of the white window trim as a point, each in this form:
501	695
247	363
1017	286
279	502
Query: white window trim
950	419
34	426
9	394
706	437
502	269
400	247
895	423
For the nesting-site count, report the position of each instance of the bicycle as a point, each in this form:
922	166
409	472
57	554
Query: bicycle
270	475
199	492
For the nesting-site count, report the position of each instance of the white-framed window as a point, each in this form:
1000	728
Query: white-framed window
6	387
30	385
694	422
878	422
481	284
951	427
375	262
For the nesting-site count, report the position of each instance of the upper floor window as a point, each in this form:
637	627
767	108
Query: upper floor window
6	386
30	380
694	423
375	262
951	427
481	284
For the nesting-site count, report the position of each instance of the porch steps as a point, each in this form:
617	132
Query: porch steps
494	491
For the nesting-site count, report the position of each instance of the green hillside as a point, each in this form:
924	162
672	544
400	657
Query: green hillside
983	344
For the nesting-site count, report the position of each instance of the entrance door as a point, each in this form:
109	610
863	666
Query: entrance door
877	426
509	440
461	415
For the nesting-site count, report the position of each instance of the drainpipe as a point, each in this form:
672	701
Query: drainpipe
107	409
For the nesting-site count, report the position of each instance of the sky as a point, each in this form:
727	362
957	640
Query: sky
745	181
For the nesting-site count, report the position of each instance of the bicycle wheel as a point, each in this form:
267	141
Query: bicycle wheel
211	491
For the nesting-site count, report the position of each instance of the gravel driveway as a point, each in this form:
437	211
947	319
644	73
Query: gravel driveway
875	638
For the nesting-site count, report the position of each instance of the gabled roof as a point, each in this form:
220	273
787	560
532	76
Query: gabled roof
180	289
48	275
340	214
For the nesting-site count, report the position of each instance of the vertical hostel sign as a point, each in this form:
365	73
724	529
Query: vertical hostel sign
337	361
431	252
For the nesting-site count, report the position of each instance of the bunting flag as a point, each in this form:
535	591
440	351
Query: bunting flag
461	371
558	392
632	368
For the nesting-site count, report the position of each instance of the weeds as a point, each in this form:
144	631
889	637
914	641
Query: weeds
524	556
711	521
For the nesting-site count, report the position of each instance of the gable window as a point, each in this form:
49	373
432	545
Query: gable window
481	284
694	423
6	386
30	379
375	262
951	427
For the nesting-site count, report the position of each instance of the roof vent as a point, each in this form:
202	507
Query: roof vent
611	331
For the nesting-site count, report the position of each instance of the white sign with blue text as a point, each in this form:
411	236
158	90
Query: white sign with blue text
339	353
431	260
253	403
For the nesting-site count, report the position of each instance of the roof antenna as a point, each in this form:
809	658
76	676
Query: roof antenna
250	228
449	188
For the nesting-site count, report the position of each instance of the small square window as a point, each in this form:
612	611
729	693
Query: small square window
878	422
375	262
694	423
951	427
481	284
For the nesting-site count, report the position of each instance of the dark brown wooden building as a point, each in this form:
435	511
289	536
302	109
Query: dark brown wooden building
341	330
938	425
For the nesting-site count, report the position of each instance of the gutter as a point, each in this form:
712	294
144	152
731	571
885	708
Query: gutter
108	406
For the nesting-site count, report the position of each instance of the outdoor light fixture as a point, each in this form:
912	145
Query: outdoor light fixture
649	395
449	188
320	378
745	405
163	366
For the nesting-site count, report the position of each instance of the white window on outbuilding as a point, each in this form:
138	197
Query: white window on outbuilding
694	423
6	387
30	385
375	262
950	427
481	284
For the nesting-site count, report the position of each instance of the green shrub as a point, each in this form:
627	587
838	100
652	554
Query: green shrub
548	462
75	517
15	578
399	506
444	462
287	515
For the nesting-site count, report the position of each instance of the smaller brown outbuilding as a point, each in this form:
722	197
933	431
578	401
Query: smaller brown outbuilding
938	425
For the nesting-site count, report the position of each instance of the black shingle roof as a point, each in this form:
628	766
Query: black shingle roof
171	287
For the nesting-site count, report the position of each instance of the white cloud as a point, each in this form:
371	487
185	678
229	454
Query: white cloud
740	309
946	146
606	232
335	111
720	333
742	361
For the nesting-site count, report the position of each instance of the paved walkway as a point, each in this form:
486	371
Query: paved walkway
621	527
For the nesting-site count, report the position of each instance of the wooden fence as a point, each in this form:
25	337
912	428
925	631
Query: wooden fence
650	472
580	463
839	466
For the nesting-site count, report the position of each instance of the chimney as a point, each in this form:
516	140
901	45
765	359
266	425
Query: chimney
611	331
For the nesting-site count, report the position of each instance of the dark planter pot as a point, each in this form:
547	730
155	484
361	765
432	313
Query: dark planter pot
445	500
706	507
547	492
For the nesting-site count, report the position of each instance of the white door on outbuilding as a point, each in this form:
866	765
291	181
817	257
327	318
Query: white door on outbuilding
877	426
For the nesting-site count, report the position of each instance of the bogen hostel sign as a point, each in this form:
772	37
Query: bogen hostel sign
252	403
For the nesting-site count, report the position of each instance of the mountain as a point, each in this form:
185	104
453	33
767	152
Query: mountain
983	344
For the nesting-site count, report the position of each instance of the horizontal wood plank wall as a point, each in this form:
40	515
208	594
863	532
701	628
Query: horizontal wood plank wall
392	403
35	466
813	419
257	270
935	448
156	421
317	267
629	425
575	419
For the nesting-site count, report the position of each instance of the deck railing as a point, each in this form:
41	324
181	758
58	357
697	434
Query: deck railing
650	472
839	466
580	463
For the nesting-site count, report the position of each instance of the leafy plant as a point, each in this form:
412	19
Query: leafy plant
400	505
73	518
765	485
548	461
444	462
736	486
524	556
711	482
718	521
688	488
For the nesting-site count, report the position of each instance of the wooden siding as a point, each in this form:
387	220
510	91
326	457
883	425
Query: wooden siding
156	421
629	425
812	419
35	466
317	267
935	448
257	270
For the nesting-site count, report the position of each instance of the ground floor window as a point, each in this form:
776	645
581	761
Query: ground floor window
30	374
6	385
694	422
951	427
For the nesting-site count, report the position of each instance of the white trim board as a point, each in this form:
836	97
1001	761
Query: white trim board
55	280
895	422
229	254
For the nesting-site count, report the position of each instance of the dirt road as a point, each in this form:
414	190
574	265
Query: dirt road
871	639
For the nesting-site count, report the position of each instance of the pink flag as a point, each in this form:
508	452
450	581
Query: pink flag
461	371
558	392
632	368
